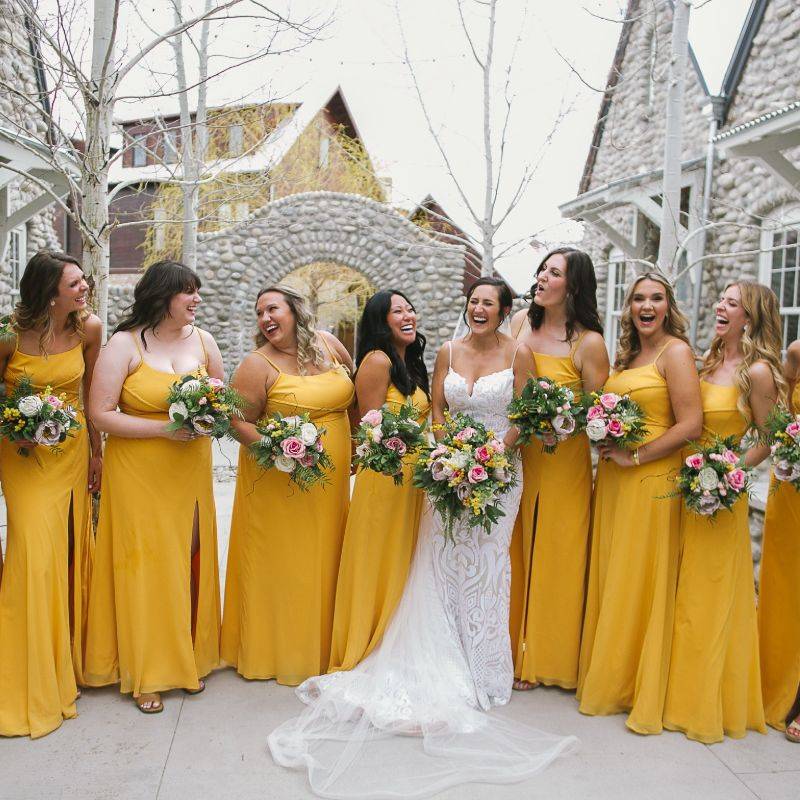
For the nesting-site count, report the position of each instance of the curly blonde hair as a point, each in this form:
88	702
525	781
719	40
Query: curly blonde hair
308	350
761	341
675	323
39	285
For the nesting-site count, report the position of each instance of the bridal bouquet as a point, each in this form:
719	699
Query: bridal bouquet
465	474
615	419
783	435
292	445
40	417
384	438
713	478
203	405
547	410
6	328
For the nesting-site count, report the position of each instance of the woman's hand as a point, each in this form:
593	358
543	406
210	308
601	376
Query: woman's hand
25	444
95	473
180	435
620	456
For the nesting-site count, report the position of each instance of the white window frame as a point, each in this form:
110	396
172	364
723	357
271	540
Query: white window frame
16	252
782	219
139	155
616	260
236	139
159	228
324	151
170	146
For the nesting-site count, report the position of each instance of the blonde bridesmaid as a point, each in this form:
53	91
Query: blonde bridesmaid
50	547
285	544
633	566
779	607
382	524
551	538
154	610
714	678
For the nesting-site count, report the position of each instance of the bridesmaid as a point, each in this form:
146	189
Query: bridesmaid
563	329
285	544
714	678
779	608
50	548
630	601
382	524
154	609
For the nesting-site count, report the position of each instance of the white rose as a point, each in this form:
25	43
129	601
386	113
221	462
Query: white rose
178	409
596	430
30	406
203	424
362	450
460	459
292	422
707	479
190	386
308	433
284	463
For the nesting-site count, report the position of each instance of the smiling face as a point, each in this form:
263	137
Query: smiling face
73	290
484	313
551	282
649	306
276	320
730	314
183	307
402	321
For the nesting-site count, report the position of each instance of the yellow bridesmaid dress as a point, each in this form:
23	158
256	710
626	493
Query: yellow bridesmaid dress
285	544
633	567
779	601
714	684
44	592
145	631
378	547
553	537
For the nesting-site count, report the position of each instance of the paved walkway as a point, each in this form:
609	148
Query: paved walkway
213	745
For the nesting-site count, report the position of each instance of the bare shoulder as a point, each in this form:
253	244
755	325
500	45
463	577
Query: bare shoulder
93	326
793	354
523	351
376	361
592	343
678	352
121	343
761	374
518	321
332	342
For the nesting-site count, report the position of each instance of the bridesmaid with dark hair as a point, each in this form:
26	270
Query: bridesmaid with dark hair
551	538
382	525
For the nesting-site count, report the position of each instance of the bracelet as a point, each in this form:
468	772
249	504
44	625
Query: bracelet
635	457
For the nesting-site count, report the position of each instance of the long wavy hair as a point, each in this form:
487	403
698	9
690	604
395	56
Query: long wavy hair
154	292
308	350
675	323
374	334
761	341
581	302
38	286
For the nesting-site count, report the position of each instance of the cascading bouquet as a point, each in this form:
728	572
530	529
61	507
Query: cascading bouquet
41	417
465	474
783	436
292	445
614	419
384	438
204	405
547	410
713	478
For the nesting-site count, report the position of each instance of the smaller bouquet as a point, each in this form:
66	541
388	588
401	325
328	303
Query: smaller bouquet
292	445
547	410
203	405
713	478
7	331
384	438
465	474
615	419
40	417
783	436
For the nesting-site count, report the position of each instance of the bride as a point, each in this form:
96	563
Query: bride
409	720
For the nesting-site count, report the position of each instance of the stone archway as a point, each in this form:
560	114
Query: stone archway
355	231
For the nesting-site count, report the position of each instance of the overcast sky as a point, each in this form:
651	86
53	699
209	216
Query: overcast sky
361	49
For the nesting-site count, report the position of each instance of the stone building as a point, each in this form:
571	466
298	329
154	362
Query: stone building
740	201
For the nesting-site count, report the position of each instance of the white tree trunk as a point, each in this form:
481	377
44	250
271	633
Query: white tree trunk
671	192
487	256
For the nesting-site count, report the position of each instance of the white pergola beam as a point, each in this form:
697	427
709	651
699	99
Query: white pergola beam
614	236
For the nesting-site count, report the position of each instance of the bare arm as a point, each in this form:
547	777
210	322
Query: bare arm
91	351
372	382
763	396
591	359
438	403
792	371
214	368
524	369
252	380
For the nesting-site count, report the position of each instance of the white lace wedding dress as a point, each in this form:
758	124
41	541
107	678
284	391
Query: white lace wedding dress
410	719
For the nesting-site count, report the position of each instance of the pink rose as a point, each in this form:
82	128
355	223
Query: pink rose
202	401
482	454
463	491
609	400
54	401
614	428
595	412
465	434
736	479
307	460
793	429
729	457
397	444
441	471
373	417
497	446
695	461
376	434
544	384
477	474
215	383
293	448
318	446
437	451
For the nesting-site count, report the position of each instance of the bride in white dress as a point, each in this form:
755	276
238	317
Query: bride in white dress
410	719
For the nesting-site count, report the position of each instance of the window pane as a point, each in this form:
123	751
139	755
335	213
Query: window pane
787	298
792	322
777	258
776	282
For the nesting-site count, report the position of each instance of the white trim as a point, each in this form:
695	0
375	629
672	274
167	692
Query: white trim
16	251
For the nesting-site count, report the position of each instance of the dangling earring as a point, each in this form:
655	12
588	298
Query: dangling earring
52	302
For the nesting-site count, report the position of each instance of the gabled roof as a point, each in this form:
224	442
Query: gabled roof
631	16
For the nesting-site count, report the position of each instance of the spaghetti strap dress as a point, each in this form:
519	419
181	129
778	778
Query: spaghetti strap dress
154	611
285	544
50	549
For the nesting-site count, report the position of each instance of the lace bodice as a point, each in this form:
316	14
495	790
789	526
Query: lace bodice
489	400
